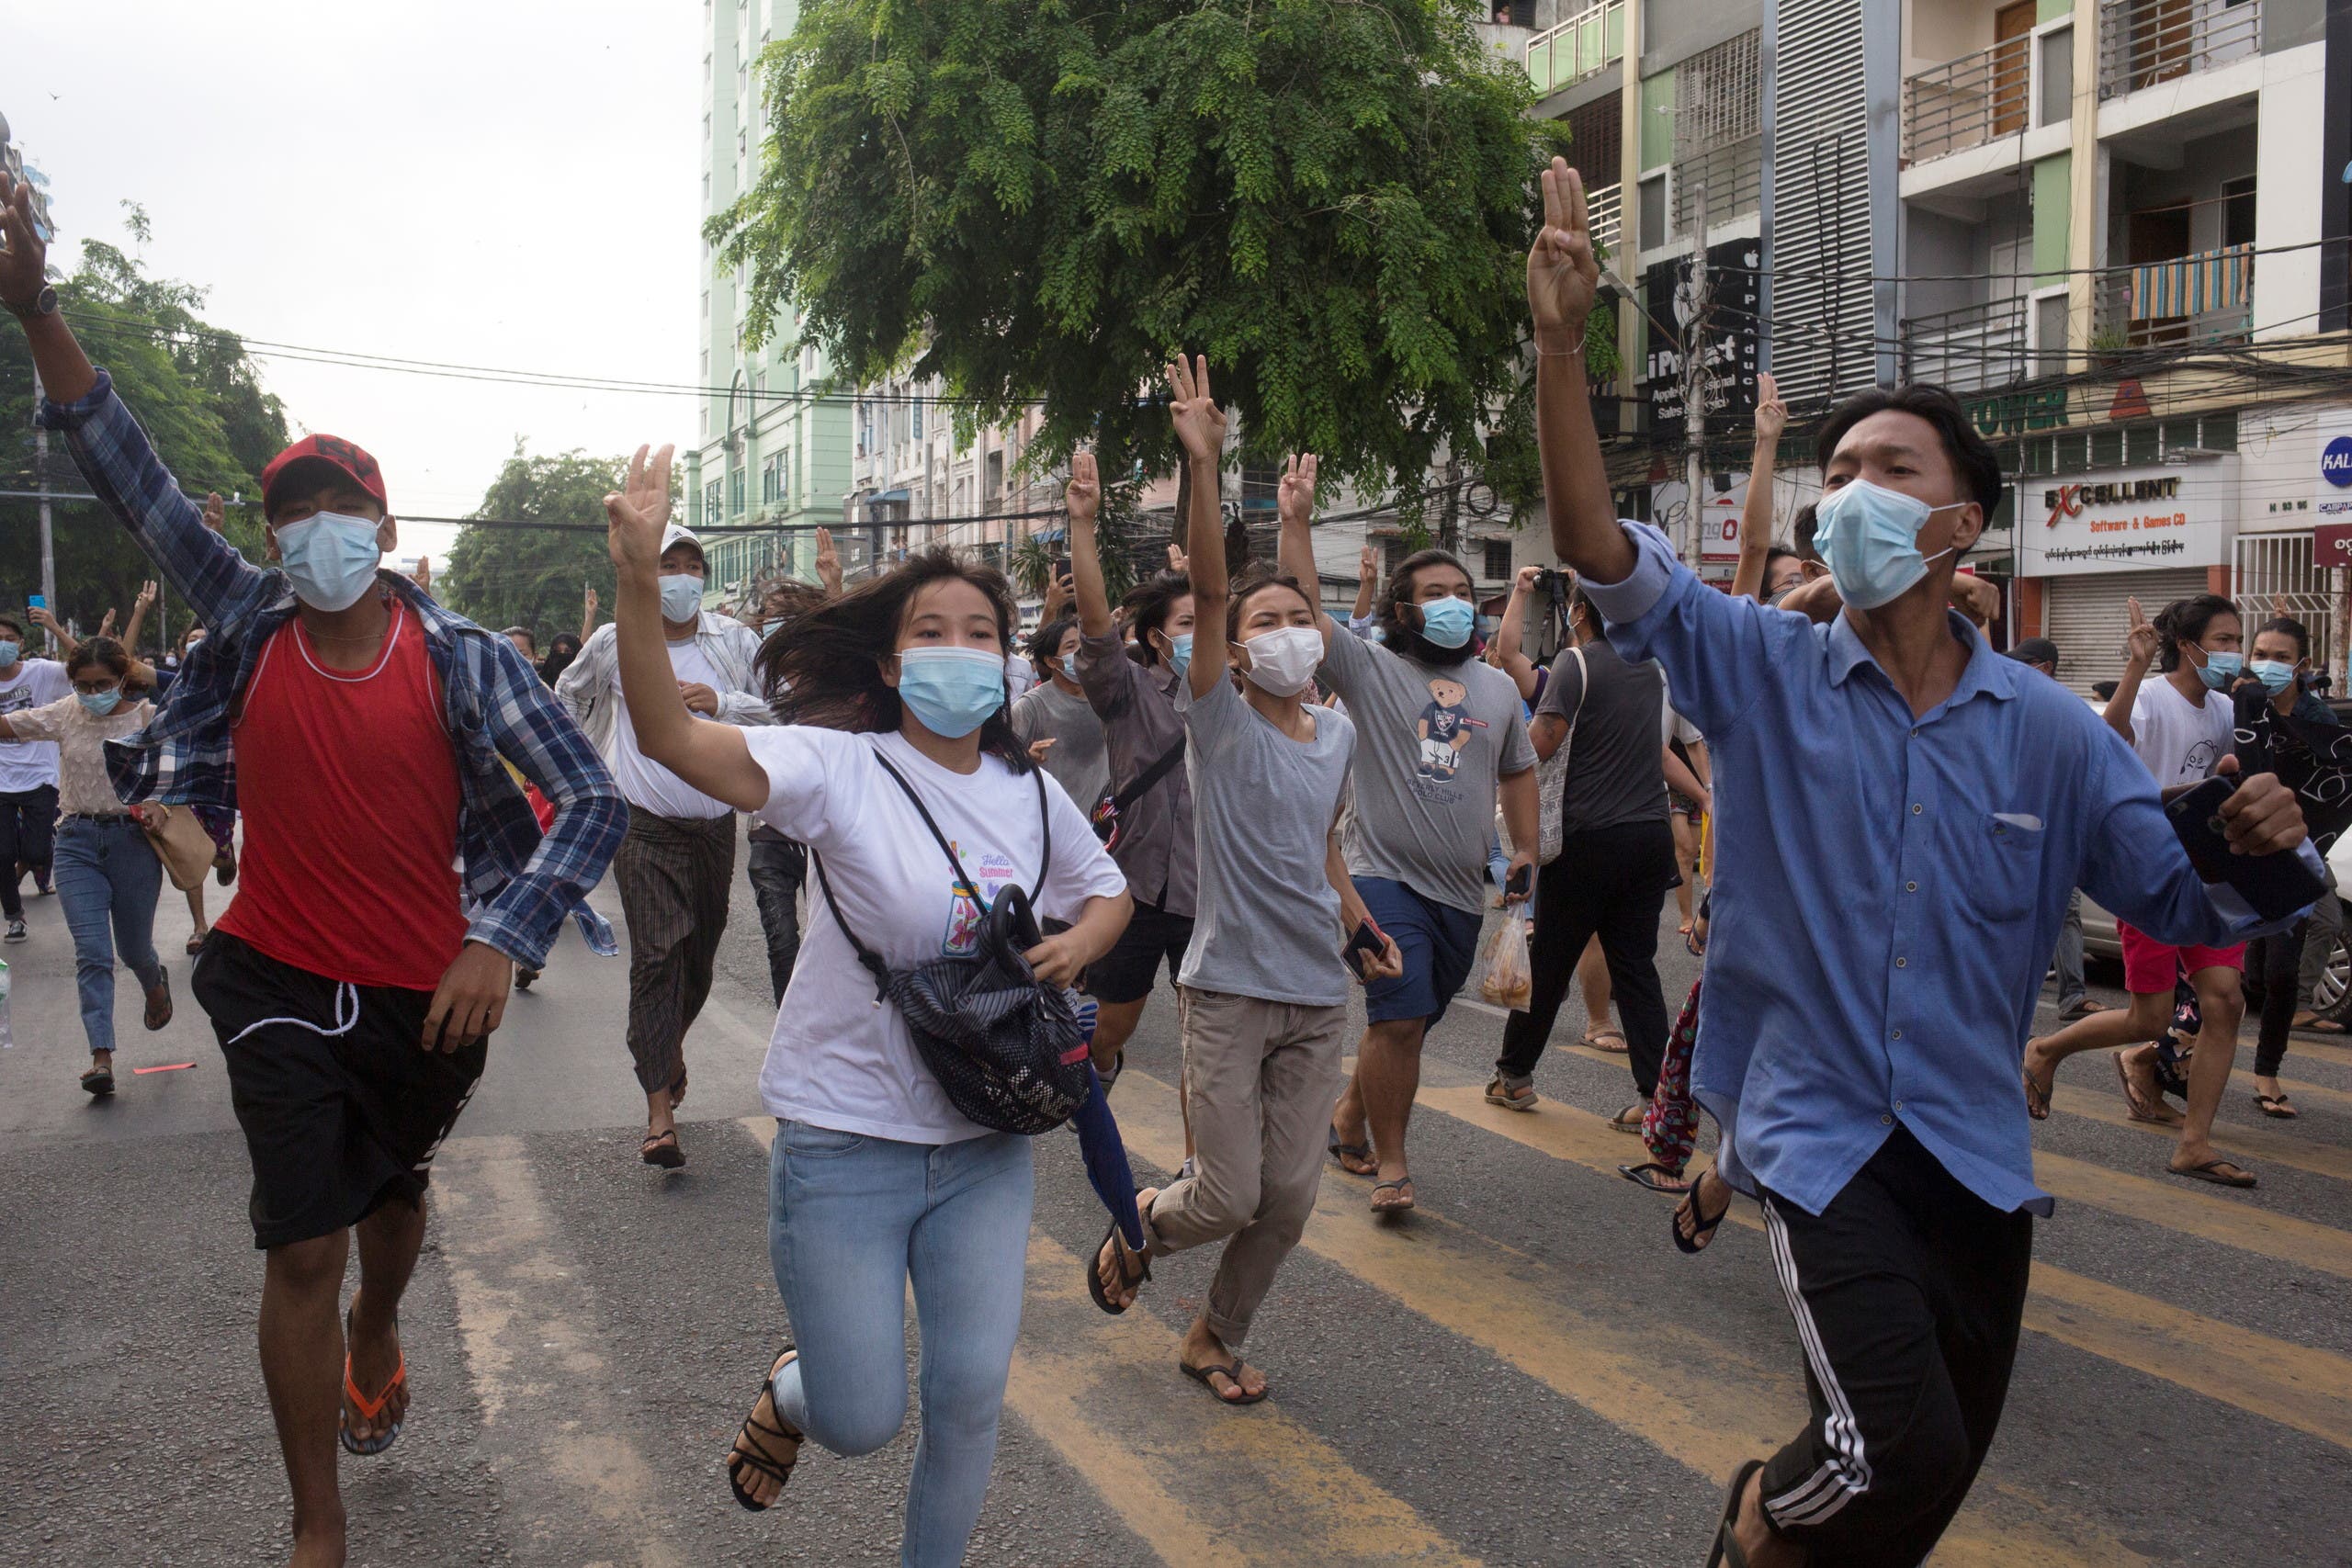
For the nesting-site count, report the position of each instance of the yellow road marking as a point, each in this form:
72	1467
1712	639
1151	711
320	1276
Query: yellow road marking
527	1350
1198	1484
1512	1307
2257	1144
2307	1388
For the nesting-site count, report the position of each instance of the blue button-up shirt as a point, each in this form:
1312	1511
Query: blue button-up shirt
1888	888
522	883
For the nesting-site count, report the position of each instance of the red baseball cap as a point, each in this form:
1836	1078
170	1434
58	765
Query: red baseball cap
352	459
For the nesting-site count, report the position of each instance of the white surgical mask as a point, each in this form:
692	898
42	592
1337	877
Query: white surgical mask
1282	660
680	595
331	558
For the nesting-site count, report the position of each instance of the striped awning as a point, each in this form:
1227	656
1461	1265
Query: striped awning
2194	285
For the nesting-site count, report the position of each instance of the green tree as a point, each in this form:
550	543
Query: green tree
534	577
192	386
1041	201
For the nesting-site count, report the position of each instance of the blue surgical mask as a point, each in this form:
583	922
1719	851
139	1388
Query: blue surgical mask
2221	668
100	704
1447	622
1868	535
680	596
2275	674
1180	654
331	558
9	653
1488	625
1069	665
952	691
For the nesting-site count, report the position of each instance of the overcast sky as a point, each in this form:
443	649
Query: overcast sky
506	183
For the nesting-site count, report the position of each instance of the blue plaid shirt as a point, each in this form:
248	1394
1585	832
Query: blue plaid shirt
520	884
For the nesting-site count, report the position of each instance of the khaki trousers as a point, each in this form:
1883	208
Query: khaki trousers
1261	1079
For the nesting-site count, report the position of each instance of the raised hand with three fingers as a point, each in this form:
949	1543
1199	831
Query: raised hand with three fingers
636	514
1294	498
1191	408
1082	497
1563	273
1771	414
829	563
2143	642
216	511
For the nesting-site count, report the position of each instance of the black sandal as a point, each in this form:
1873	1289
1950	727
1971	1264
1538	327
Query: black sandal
1619	1123
1232	1374
1094	1286
1656	1177
98	1082
761	1459
1705	1231
661	1148
2275	1105
1726	1552
1341	1153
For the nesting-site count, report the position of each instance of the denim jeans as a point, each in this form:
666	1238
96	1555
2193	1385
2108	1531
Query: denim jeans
850	1219
779	867
2326	924
108	877
2068	959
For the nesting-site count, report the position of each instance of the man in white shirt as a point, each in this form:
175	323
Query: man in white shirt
27	775
678	858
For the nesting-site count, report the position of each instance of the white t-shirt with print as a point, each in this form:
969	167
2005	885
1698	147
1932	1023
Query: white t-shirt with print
31	765
2180	742
644	782
835	1059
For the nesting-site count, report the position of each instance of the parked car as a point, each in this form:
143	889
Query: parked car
2330	998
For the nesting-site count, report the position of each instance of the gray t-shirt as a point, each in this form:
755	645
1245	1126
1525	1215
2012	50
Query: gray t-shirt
1434	739
1267	921
1616	769
1076	760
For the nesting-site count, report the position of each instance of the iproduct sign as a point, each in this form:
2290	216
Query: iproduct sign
2137	519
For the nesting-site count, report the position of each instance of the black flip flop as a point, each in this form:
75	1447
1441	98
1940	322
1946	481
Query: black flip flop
1705	1231
1388	1211
1656	1177
662	1149
759	1463
2211	1171
2275	1105
1618	1123
1201	1375
1094	1286
1341	1153
1726	1552
98	1082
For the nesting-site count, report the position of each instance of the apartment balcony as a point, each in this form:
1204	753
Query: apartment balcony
2190	302
1583	46
1605	210
1970	349
1966	102
2143	42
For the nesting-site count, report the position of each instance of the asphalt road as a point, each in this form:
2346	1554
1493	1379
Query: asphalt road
1525	1373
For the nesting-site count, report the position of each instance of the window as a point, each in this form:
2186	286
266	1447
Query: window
706	368
1651	231
2050	332
706	420
742	80
706	304
705	190
734	491
772	480
1392	555
709	494
2238	211
2055	92
1498	560
994	484
915	414
706	122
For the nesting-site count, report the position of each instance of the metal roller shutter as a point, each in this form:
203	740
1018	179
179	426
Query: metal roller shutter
2087	616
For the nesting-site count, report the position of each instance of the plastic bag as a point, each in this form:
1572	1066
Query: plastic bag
1510	975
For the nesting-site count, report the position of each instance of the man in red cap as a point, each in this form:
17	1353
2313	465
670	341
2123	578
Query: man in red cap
360	728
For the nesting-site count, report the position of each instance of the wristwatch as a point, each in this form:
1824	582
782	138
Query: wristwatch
43	304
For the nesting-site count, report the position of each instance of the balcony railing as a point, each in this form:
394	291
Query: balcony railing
1969	349
2190	302
1585	45
2142	42
1605	210
1966	102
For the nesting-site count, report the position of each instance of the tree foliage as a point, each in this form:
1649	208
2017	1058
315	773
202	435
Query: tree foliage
1042	201
192	386
534	577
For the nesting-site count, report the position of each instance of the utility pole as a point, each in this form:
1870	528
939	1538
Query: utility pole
40	484
1695	381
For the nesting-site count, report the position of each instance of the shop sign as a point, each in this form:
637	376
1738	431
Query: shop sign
2137	519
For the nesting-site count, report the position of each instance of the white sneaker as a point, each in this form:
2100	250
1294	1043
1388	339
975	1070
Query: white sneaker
16	931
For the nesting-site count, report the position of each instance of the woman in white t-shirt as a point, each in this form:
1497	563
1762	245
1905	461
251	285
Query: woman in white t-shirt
876	1179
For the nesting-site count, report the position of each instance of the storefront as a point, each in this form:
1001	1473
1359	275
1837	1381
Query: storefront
2086	548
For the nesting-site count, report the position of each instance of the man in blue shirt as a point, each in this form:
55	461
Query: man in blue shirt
1902	813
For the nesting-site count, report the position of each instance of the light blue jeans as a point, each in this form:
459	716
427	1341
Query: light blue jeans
851	1219
107	878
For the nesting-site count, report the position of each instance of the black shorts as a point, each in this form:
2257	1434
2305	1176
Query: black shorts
1129	970
336	1124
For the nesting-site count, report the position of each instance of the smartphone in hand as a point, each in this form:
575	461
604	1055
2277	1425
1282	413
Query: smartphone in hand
1363	949
2275	886
1518	883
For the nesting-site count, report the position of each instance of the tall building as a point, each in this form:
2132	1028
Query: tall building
2117	228
772	450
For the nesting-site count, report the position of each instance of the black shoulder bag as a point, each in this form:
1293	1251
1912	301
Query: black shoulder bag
1106	815
1005	1046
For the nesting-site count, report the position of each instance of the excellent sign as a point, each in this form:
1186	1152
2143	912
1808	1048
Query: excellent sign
2137	519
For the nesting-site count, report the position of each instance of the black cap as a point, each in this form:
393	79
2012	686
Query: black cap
2036	650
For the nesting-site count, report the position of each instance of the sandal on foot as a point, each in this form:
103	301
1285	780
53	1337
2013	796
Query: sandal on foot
1232	1374
1630	1119
1403	1186
1656	1177
98	1082
750	1454
2275	1105
159	1004
2037	1098
1342	1153
1512	1094
1612	1041
369	1408
2141	1109
196	943
1726	1551
1094	1286
661	1148
1703	1231
2313	1023
2220	1171
2083	1008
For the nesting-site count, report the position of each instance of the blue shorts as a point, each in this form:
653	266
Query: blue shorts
1440	944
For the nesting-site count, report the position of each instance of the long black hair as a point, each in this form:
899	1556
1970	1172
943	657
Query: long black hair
1398	636
109	655
824	667
2185	620
1149	604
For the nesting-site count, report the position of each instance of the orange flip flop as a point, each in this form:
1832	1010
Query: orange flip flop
369	1408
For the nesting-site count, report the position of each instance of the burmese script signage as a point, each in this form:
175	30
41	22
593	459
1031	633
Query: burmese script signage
2137	519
